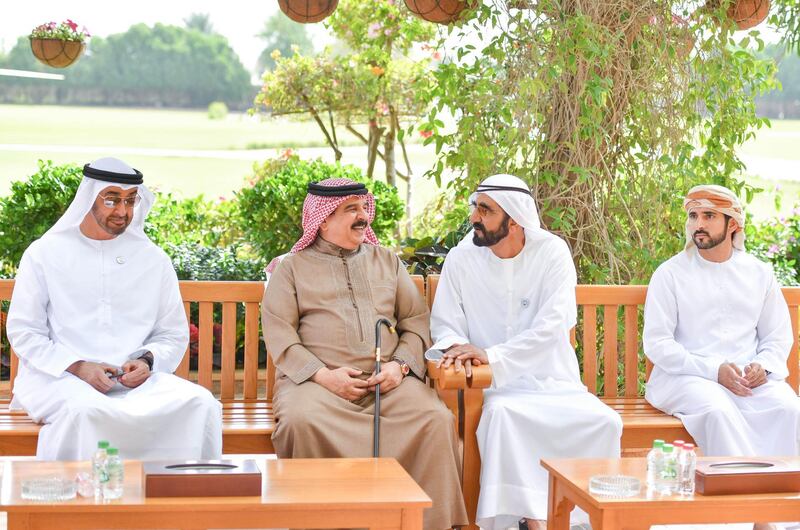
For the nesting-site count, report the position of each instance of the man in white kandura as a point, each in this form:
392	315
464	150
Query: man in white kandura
506	297
717	329
97	321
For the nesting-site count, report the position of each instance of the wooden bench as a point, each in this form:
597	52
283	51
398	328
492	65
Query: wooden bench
616	355
246	394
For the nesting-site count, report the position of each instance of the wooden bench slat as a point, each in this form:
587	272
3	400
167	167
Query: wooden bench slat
228	349
183	367
631	350
590	347
251	338
610	353
221	291
205	356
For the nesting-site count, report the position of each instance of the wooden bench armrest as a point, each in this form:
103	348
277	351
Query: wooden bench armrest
448	378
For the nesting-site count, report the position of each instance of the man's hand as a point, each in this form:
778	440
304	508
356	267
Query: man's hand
731	378
136	372
465	355
342	382
755	375
390	377
96	374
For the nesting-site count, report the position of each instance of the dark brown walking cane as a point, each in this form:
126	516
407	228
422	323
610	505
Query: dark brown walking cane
376	432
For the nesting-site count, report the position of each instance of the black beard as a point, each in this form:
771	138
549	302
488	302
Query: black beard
710	241
488	238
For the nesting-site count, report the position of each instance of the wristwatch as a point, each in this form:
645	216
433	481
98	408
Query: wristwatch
404	368
148	358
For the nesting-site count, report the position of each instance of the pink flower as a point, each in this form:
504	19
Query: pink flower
437	56
387	32
773	249
287	154
374	30
73	26
426	134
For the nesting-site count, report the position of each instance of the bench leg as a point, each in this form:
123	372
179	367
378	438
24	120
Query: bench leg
473	407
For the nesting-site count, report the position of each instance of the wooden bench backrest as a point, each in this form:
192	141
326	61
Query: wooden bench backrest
618	352
614	304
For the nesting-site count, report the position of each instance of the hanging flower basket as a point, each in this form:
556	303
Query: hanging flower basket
744	13
307	11
439	11
58	45
57	53
748	13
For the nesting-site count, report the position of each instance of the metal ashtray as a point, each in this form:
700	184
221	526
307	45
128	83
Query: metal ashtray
614	486
49	489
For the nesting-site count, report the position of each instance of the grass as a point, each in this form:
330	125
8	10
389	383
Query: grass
80	134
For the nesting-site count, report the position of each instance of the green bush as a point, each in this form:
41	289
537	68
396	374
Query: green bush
777	241
217	110
270	212
173	221
32	207
193	261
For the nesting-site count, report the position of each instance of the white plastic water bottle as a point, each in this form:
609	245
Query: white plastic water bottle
100	469
655	459
116	477
687	464
669	471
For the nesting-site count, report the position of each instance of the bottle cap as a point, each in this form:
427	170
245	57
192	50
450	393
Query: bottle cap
658	443
113	451
668	448
103	444
688	447
678	443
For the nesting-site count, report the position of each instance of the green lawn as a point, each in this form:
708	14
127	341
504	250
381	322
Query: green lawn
173	149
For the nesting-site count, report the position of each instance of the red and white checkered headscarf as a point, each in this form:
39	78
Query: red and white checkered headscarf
317	208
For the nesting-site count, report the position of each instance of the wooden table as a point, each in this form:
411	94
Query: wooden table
569	487
302	493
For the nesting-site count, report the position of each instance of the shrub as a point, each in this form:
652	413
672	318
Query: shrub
193	261
270	212
33	206
777	241
217	110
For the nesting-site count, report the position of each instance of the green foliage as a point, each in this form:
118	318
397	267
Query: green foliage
217	110
271	210
193	261
161	65
777	241
32	208
174	221
610	110
284	35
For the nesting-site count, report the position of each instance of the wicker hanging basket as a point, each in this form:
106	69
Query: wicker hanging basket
439	11
748	13
308	11
56	52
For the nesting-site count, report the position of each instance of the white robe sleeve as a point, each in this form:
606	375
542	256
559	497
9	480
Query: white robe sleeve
448	321
774	331
27	326
548	333
170	336
660	323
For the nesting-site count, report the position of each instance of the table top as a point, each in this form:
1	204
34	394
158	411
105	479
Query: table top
354	483
575	473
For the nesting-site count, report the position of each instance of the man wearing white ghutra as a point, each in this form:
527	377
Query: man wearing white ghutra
98	323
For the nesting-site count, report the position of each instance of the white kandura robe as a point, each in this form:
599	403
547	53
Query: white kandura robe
106	301
520	310
700	314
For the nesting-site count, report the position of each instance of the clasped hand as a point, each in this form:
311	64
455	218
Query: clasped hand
730	376
101	375
463	355
345	383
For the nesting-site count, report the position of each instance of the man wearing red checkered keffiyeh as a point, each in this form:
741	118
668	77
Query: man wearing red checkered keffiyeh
319	313
323	198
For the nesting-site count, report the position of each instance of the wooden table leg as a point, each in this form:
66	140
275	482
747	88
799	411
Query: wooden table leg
558	507
17	521
411	519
